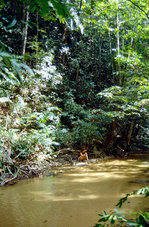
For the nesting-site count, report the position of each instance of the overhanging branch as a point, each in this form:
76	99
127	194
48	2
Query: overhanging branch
142	10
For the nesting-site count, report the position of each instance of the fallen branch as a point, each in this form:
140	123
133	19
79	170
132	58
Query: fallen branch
8	180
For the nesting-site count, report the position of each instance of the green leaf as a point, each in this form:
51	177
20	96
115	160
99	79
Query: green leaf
27	68
103	219
12	24
104	212
130	223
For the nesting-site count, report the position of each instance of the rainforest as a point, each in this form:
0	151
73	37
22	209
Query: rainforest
74	96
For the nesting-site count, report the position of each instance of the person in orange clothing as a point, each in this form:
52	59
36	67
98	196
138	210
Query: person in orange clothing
83	155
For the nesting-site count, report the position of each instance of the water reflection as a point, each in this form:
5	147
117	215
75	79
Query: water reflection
75	197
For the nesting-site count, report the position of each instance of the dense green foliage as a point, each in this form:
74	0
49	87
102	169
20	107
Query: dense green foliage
73	74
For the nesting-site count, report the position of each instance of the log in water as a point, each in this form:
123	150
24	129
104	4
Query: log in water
74	197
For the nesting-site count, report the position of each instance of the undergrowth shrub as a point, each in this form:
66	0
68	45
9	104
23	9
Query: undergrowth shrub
28	118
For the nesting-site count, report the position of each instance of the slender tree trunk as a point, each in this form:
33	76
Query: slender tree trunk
78	68
118	37
25	28
37	25
77	73
110	49
131	43
81	3
37	33
123	43
118	45
130	132
64	40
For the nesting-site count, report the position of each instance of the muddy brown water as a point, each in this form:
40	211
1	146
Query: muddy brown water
75	197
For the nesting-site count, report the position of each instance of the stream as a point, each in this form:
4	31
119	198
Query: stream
76	195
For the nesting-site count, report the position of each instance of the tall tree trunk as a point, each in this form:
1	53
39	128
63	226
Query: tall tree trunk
25	28
110	135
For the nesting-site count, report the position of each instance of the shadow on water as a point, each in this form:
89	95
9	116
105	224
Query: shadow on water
74	197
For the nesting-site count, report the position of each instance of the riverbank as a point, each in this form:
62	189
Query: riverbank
43	164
